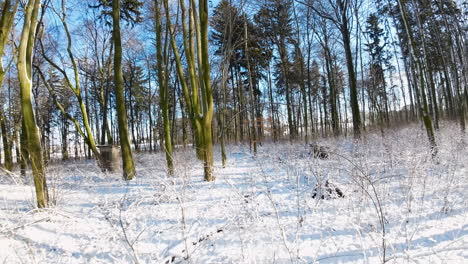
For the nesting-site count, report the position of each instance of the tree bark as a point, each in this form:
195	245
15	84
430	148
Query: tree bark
24	66
163	90
126	150
351	72
425	112
6	22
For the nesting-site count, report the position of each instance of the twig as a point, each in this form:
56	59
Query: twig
127	240
12	175
25	225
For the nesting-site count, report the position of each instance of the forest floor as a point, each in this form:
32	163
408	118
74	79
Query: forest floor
399	205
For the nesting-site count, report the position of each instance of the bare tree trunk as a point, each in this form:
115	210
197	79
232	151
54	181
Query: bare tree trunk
207	91
302	75
126	150
425	112
6	23
351	72
200	111
163	90
24	65
251	94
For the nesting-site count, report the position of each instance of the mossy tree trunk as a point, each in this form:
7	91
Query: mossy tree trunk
7	146
127	157
207	93
198	99
24	65
9	9
163	88
24	155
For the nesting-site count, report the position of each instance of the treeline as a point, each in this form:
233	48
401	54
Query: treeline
157	75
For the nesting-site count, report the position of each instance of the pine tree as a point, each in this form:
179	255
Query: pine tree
274	19
377	92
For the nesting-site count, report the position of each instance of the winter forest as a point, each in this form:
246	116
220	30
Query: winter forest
233	131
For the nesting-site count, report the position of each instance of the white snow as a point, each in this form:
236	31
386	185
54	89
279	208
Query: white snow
259	210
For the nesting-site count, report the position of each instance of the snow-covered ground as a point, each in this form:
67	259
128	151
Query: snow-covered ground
399	206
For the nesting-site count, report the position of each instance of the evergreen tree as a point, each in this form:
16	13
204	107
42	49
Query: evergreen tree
274	19
377	92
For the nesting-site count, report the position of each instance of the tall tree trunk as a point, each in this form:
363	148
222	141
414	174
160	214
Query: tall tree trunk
302	85
6	22
290	111
251	87
24	157
425	111
429	75
64	138
200	111
7	144
241	103
127	157
351	72
24	66
207	91
222	112
163	90
329	65
273	107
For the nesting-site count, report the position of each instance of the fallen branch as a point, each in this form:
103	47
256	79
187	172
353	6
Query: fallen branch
25	225
15	177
